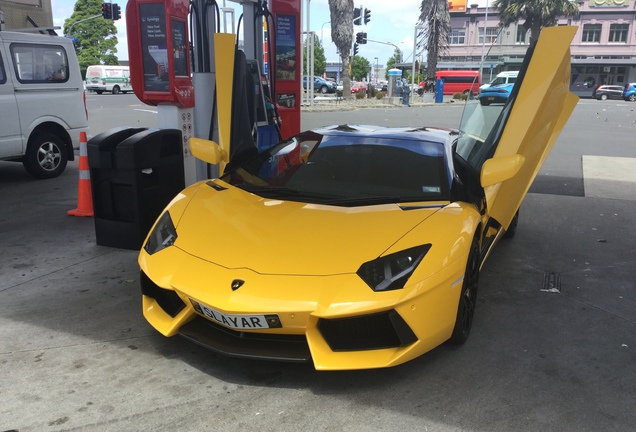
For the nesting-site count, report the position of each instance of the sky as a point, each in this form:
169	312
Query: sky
394	24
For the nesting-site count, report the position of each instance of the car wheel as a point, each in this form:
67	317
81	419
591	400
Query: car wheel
323	89
467	298
115	89
604	97
632	98
512	228
46	156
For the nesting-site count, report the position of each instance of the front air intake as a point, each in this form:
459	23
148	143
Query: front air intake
168	300
367	332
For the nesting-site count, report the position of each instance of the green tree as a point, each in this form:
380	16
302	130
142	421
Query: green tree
320	61
341	12
396	58
360	67
435	18
96	38
535	13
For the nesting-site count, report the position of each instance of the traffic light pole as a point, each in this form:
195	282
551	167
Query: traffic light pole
385	43
70	30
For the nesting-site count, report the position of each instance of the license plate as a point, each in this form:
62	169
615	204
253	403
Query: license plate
239	322
491	98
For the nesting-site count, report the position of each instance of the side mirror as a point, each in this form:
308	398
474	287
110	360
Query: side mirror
208	151
497	170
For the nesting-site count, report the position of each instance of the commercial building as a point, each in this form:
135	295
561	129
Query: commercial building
603	50
24	14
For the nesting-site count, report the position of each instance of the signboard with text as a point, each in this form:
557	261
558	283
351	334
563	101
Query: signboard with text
158	51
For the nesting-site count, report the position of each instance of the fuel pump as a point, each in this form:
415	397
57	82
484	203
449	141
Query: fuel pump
254	114
172	66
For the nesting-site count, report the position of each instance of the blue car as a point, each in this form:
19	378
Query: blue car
495	94
630	92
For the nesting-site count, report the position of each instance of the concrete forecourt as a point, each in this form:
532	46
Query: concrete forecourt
552	347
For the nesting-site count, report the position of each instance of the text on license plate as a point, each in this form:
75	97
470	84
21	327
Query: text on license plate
240	322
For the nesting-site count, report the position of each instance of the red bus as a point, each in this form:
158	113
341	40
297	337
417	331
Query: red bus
460	81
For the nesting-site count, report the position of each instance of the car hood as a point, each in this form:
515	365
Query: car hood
236	229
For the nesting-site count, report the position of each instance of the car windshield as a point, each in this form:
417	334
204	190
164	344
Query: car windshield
346	170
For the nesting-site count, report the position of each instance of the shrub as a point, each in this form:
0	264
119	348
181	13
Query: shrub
460	96
380	95
361	95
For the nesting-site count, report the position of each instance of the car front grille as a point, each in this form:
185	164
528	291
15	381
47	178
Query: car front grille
376	331
246	345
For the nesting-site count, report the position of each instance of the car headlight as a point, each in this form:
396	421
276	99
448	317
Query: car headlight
162	236
392	271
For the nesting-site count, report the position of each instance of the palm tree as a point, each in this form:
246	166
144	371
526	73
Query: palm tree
536	13
434	36
342	36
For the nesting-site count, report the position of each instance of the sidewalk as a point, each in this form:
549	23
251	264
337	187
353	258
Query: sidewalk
332	103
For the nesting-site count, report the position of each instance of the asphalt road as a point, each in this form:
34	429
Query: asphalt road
76	353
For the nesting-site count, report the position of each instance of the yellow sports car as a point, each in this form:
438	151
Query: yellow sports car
353	246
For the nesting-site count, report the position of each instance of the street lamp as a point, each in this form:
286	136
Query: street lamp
321	28
377	70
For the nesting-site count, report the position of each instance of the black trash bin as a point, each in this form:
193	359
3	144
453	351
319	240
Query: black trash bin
134	175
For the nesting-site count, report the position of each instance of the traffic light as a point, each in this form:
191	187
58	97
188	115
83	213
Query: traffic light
357	16
107	12
367	16
355	49
361	38
116	12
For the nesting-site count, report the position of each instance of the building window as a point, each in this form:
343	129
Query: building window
618	33
591	33
457	37
522	35
491	35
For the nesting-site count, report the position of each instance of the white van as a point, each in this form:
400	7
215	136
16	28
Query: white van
42	102
507	77
105	78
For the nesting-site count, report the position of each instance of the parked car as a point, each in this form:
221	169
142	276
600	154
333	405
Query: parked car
42	102
608	92
629	94
495	94
321	85
358	86
352	246
508	77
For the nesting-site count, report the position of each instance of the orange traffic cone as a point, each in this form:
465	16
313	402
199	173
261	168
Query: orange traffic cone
84	194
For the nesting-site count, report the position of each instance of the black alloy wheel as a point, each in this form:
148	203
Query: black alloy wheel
467	298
